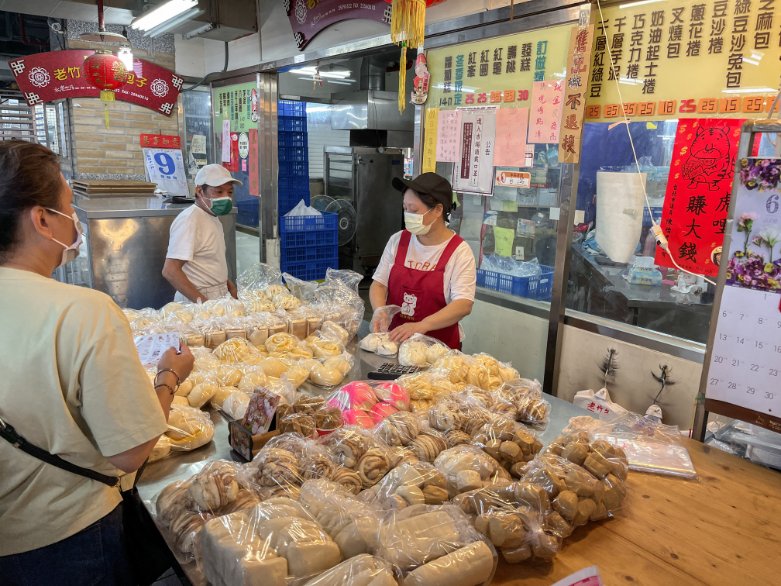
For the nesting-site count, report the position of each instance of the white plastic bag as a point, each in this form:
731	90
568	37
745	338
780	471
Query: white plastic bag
599	403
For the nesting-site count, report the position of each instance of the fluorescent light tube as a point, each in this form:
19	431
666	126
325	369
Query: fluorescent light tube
162	13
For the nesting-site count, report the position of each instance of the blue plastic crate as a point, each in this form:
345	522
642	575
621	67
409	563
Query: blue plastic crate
310	271
293	154
292	124
248	212
657	215
292	139
322	223
294	169
296	184
536	287
290	108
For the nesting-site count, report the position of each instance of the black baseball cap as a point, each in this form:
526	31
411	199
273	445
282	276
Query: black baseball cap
430	184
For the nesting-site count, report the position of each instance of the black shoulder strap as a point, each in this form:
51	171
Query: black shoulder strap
9	433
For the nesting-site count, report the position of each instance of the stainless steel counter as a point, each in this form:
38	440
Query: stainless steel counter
126	239
181	466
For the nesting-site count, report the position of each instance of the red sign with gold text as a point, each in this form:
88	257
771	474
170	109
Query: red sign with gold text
699	187
56	75
163	141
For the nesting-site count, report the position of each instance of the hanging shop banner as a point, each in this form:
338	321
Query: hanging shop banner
309	17
698	193
511	127
448	136
745	367
545	114
474	171
575	94
679	59
165	167
430	143
46	77
498	71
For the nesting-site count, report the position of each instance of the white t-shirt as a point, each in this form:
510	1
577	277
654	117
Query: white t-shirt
71	384
197	238
460	273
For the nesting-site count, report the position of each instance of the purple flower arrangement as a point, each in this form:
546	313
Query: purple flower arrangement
760	174
752	272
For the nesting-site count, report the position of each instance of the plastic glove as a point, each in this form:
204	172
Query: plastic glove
382	317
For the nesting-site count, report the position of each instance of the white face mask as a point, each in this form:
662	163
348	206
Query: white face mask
70	252
414	223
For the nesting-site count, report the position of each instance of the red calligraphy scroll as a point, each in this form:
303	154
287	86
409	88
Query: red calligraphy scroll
699	187
46	77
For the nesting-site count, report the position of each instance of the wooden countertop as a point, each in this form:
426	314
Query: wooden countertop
724	528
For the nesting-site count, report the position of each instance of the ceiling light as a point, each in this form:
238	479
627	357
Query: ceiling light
125	55
750	90
311	70
640	3
162	13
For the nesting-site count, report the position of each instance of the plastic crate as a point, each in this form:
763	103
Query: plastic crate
289	108
537	287
657	215
293	155
323	223
310	271
294	169
296	184
292	124
292	139
248	212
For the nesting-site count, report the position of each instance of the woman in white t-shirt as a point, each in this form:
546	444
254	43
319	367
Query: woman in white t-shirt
426	269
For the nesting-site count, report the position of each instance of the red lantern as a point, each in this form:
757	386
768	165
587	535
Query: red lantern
106	72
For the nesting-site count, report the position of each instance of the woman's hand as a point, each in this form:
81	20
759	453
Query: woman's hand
405	331
180	362
382	318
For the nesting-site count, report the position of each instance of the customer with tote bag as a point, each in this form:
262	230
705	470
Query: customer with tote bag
71	385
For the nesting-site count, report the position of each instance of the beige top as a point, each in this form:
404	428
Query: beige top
71	382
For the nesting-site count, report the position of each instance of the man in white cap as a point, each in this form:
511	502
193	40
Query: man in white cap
195	263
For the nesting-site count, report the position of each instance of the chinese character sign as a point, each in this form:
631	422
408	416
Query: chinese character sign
46	77
473	173
430	143
165	167
499	71
575	95
679	59
309	17
448	137
696	202
545	112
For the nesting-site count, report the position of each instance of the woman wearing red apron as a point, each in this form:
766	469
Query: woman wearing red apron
426	269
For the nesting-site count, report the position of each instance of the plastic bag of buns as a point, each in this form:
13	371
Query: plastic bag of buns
324	347
379	343
517	518
276	543
360	570
436	545
352	524
332	370
508	442
422	351
526	398
468	467
258	277
188	428
427	387
409	483
278	468
183	507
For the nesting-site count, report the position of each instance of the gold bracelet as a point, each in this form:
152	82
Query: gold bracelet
166	385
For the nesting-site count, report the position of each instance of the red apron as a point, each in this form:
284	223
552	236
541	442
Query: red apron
421	293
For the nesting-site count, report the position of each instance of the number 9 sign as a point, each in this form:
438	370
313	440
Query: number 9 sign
165	168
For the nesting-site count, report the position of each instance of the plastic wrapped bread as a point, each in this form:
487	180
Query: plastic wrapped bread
467	467
231	554
307	548
352	524
408	484
188	428
416	537
361	570
420	350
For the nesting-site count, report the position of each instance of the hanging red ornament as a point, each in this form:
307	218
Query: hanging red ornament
105	71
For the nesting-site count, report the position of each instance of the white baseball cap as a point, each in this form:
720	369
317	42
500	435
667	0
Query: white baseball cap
214	175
